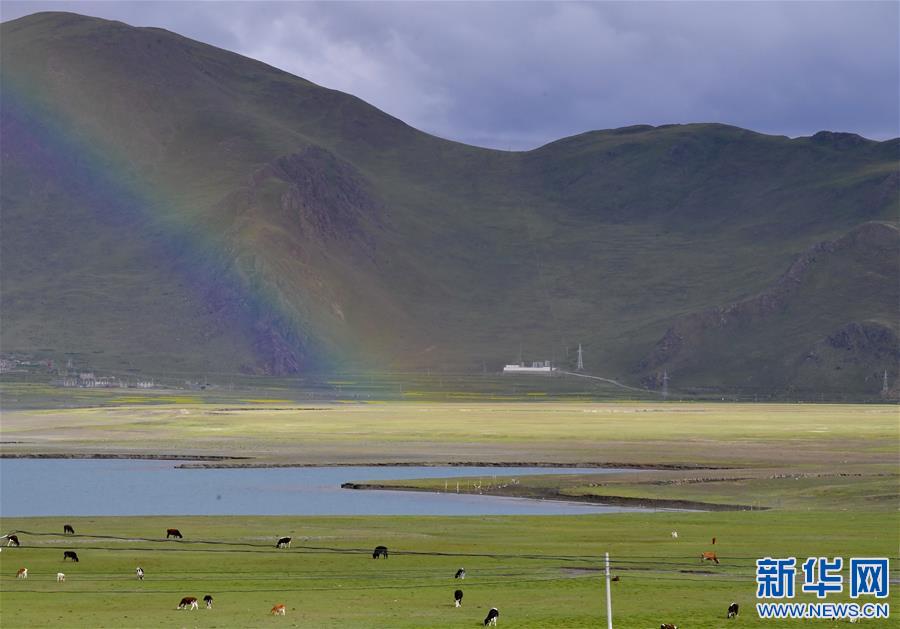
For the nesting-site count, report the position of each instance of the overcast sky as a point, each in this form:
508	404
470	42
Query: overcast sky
518	75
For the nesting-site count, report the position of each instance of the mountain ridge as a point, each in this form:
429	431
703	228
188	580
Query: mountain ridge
315	233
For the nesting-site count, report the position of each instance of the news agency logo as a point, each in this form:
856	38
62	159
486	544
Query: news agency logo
868	576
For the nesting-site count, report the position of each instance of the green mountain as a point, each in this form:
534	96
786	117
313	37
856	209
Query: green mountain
171	207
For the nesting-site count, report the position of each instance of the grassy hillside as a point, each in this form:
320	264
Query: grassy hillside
169	206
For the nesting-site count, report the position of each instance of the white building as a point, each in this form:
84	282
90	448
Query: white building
543	367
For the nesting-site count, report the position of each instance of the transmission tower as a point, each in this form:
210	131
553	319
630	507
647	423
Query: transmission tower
665	387
580	366
884	384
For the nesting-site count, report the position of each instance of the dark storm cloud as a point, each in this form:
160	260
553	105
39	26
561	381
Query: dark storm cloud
516	75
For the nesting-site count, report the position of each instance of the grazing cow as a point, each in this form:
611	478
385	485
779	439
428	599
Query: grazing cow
733	610
283	542
60	577
22	573
491	618
615	578
674	534
714	541
208	600
140	573
460	574
457	597
278	610
68	530
13	540
70	554
667	625
709	557
189	602
380	551
173	533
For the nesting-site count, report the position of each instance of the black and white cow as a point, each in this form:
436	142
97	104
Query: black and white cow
13	540
380	551
70	554
491	618
457	597
283	542
208	599
733	610
460	574
140	573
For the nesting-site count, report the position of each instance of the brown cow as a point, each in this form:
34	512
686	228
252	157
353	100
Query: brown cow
709	557
278	610
667	625
22	573
173	533
189	602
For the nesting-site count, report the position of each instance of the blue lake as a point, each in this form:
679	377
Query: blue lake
41	487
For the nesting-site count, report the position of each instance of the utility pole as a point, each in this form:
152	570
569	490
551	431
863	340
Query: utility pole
665	390
608	597
580	366
884	384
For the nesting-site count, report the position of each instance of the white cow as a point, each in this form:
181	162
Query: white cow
60	577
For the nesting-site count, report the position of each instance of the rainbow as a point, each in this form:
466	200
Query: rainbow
91	163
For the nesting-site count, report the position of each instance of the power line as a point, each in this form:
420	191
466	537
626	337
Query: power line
177	545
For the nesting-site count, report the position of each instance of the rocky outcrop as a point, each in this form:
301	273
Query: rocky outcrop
277	354
326	196
875	245
867	351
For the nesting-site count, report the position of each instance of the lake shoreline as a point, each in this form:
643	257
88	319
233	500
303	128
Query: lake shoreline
599	500
123	456
207	461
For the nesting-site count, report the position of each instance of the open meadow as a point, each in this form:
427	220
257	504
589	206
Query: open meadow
822	480
647	433
539	571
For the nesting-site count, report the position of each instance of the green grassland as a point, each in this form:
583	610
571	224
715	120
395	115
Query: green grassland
539	571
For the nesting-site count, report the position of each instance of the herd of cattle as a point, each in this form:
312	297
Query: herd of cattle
191	602
380	552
